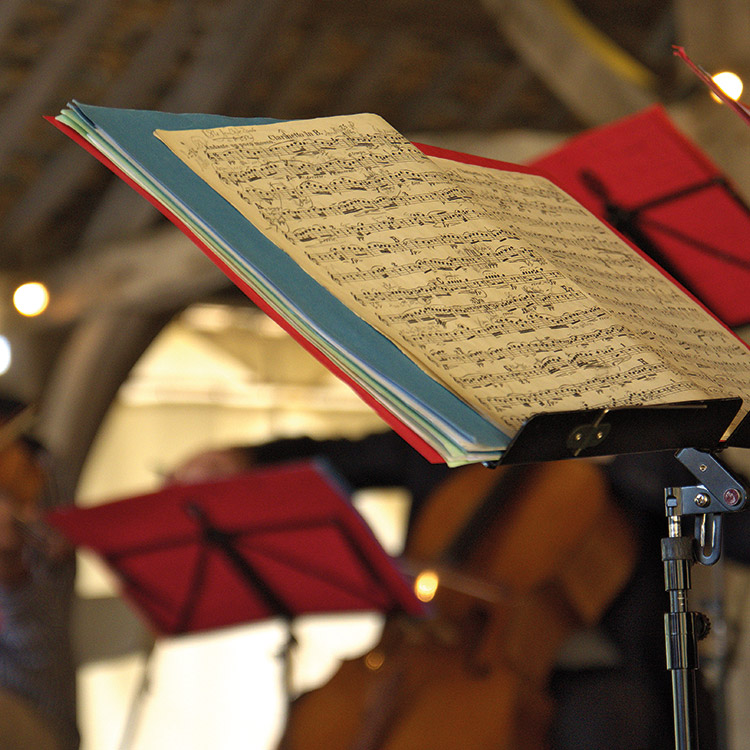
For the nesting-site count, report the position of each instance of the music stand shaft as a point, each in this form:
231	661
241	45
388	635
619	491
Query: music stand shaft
717	493
680	634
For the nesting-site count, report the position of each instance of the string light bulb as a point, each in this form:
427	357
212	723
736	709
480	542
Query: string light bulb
31	299
730	83
5	355
426	585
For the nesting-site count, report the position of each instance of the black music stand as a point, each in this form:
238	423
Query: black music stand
695	431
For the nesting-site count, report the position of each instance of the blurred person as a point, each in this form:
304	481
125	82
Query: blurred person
37	571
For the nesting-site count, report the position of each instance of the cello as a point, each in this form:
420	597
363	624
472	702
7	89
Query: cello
527	555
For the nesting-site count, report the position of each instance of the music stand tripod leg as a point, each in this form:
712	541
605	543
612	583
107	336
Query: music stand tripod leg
719	492
682	630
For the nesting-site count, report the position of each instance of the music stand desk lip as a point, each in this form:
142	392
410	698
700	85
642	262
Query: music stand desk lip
740	437
626	429
285	535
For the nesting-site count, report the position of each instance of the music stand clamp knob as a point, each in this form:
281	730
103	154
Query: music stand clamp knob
718	492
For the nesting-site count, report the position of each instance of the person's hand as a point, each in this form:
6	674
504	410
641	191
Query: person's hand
211	464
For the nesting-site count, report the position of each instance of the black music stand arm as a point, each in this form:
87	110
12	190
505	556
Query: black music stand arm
225	543
719	492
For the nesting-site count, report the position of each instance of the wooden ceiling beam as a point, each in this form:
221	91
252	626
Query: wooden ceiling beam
598	81
501	98
65	173
715	32
221	54
51	68
10	10
370	80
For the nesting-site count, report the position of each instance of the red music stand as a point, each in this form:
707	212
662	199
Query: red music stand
658	189
277	542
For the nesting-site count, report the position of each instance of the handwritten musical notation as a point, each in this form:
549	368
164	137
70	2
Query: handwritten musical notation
497	283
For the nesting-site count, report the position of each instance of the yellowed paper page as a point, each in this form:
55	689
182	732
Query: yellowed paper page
497	283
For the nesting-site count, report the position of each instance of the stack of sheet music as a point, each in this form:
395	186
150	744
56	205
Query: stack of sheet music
457	295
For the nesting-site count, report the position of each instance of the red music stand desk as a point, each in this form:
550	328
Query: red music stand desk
277	542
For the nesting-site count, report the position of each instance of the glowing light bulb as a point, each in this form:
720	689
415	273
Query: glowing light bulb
374	660
5	355
729	83
31	299
426	585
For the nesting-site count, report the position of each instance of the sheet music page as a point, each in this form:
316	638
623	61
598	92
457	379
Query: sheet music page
499	284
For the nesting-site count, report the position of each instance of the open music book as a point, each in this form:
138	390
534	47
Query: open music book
459	296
